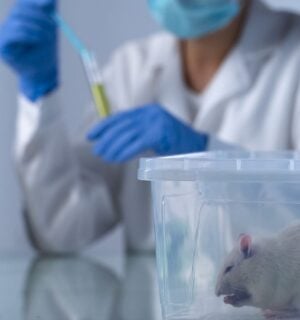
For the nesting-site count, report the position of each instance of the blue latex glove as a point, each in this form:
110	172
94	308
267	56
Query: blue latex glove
126	135
28	43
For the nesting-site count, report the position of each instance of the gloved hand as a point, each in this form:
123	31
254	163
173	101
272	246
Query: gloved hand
124	136
28	43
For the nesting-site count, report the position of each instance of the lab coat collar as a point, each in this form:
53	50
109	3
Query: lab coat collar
292	6
262	34
263	31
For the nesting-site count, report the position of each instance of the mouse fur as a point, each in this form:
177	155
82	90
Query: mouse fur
263	272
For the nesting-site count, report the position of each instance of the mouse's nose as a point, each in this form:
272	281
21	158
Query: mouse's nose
221	289
218	291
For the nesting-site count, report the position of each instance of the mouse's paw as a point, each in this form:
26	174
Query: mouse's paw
282	315
269	314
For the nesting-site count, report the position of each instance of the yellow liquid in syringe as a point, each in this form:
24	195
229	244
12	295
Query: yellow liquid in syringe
100	100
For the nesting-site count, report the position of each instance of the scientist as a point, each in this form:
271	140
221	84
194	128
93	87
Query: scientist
224	70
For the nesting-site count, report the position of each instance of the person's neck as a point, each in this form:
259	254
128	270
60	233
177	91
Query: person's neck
201	58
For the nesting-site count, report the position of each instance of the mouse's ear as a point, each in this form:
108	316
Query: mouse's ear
246	245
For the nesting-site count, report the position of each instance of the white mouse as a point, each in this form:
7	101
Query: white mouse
263	273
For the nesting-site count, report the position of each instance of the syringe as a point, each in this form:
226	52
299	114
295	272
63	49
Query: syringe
96	84
90	66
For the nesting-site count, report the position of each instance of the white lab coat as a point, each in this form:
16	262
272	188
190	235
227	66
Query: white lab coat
72	198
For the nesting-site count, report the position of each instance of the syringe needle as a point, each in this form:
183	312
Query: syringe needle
70	34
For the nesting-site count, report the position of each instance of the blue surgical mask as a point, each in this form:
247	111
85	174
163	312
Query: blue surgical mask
194	18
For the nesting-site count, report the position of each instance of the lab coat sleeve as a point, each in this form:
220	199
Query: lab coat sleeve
68	193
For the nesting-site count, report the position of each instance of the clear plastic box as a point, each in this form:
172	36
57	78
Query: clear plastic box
204	204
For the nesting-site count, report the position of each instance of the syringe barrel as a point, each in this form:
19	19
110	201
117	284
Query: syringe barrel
96	84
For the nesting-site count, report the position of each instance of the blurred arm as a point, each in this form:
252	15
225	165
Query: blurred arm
68	194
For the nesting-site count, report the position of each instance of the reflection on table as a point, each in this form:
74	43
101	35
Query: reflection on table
77	288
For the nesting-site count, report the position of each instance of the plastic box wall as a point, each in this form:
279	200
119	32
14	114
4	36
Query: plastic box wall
202	203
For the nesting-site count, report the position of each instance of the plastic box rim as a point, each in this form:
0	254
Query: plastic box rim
283	166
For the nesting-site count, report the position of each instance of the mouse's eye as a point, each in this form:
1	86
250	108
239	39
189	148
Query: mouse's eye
228	269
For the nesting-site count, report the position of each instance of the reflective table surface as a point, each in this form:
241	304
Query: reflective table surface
85	288
74	288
